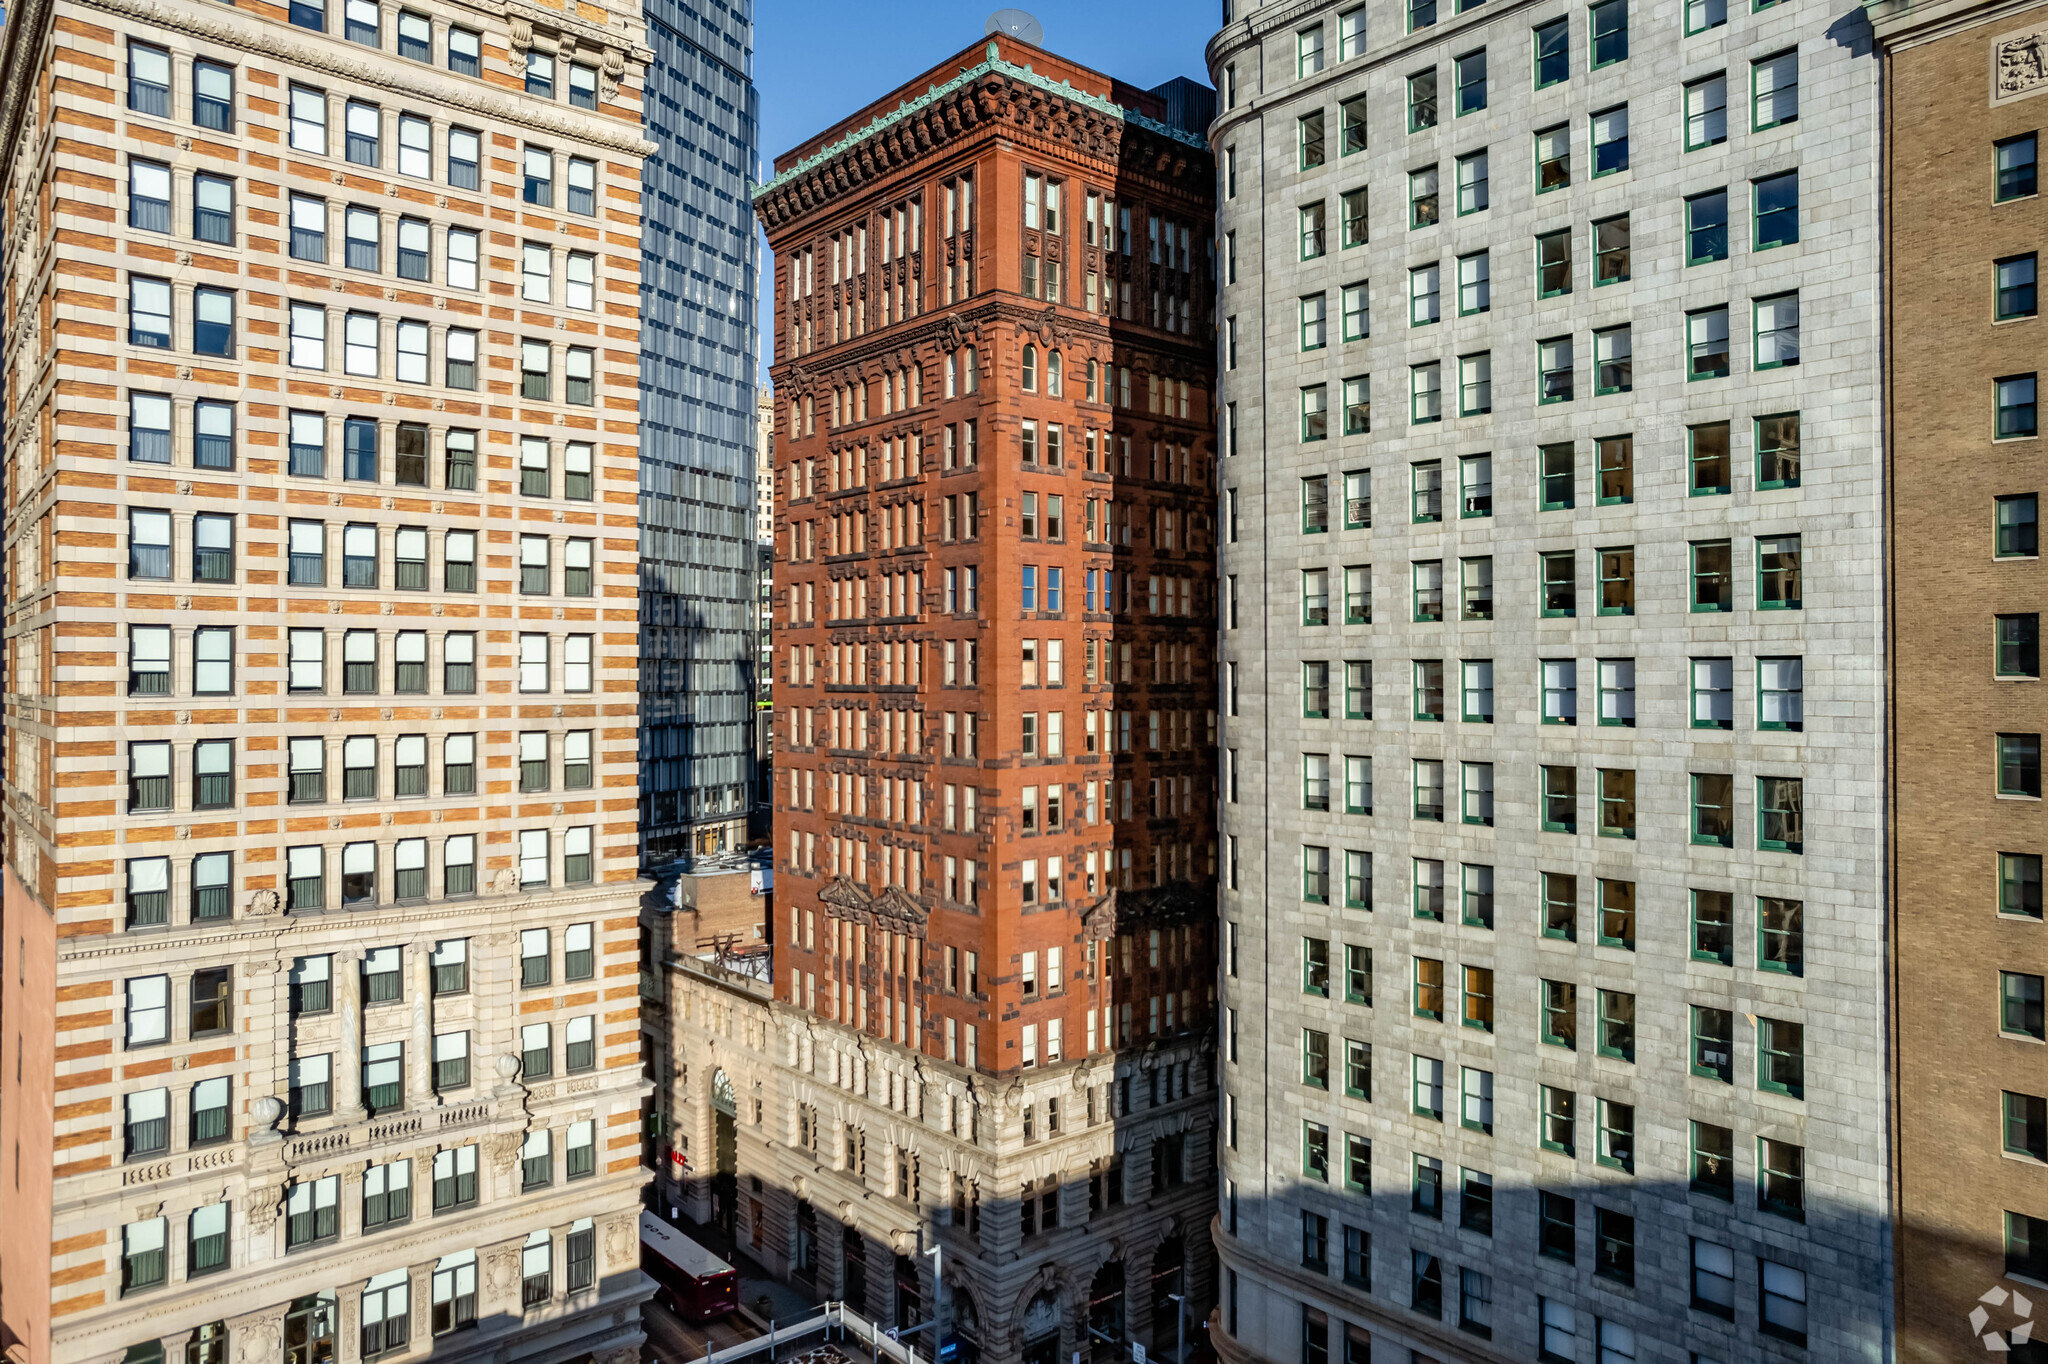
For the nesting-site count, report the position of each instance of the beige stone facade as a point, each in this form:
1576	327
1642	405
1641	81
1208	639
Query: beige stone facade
321	458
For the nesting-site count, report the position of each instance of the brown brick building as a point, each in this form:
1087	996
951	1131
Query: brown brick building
992	991
1966	89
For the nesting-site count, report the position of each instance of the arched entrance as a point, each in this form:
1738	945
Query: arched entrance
966	1336
1167	1277
1106	1313
725	1147
1042	1329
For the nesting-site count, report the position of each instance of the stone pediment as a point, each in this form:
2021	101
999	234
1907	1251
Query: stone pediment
848	899
895	909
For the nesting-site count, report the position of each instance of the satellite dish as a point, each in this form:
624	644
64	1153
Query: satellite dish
1017	24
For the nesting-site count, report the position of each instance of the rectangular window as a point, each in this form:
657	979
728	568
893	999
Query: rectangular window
1610	129
2016	167
1422	99
1553	264
1708	459
1706	229
1774	90
1706	112
1777	210
2017	411
1706	336
1778	573
1553	158
1470	73
1553	53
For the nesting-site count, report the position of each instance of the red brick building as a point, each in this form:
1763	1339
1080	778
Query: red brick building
994	580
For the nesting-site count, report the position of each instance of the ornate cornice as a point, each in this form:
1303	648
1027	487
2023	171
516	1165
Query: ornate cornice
247	33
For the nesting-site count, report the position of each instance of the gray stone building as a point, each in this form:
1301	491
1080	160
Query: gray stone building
1553	701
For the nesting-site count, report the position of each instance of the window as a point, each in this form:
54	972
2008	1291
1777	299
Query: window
465	154
359	357
149	777
1617	582
1422	100
1425	393
149	312
2015	167
1553	158
312	1212
1470	74
213	96
1553	53
2014	289
1560	799
1610	32
455	1178
149	80
1781	1307
1774	90
362	123
1559	1123
538	183
1613	372
1427	1088
1706	336
1614	1245
1423	208
582	186
1706	231
1425	292
1706	112
308	120
1610	130
1618	912
1701	15
213	322
454	1287
1312	217
1473	190
383	1077
1780	1060
149	196
2016	403
1777	210
1475	384
2017	645
1308	59
1778	580
1309	140
2019	884
144	1263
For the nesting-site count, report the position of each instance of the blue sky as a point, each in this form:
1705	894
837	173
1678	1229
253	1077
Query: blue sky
816	61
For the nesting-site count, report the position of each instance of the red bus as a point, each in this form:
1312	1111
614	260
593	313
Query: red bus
695	1284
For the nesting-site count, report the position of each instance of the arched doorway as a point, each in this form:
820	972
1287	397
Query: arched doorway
1106	1313
1042	1329
1167	1277
725	1147
966	1337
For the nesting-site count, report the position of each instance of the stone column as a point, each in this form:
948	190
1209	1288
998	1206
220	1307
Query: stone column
182	451
348	1326
419	1090
346	981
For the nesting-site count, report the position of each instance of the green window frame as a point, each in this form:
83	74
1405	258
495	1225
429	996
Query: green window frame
1315	967
1468	73
1474	185
1617	581
1475	283
1357	1160
1617	914
1315	795
1429	798
1422	99
1356	303
1560	906
1425	393
1554	385
1617	1136
1558	465
1558	1024
1713	926
1358	965
1315	596
1313	220
1476	998
1706	227
1315	322
1781	814
1311	142
1553	52
1476	892
1774	90
1429	688
1308	51
2025	1124
1427	981
1707	343
1426	1099
1560	691
1713	1044
1706	111
2020	1004
1560	786
1781	693
1614	469
1779	573
1475	384
1425	197
1617	683
2019	765
1476	796
1475	706
1710	459
1315	1151
2016	643
1559	1119
1315	888
1358	594
1357	499
1353	229
1781	1057
1351	128
1357	785
1713	1161
2019	885
1702	15
1713	693
1780	935
1554	264
1475	491
2016	521
1553	157
1315	413
1611	263
1425	294
1608	24
1428	892
1315	504
1421	14
1426	590
1315	1058
1613	360
1777	450
1607	135
1617	802
1713	576
1775	209
1713	809
1315	690
1560	583
1358	690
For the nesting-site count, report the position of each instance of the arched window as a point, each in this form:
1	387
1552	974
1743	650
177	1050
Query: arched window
1106	1310
1042	1330
1055	375
1031	369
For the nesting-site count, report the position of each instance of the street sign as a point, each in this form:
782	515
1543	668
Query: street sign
1137	1353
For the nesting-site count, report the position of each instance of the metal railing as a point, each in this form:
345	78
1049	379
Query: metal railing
835	1323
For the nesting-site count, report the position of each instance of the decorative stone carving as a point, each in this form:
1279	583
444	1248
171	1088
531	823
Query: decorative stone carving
504	881
262	904
621	1241
501	1273
2020	64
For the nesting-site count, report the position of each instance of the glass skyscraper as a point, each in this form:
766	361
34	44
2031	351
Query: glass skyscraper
699	342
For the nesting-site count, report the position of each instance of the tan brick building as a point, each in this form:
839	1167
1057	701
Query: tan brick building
1967	111
991	1018
321	457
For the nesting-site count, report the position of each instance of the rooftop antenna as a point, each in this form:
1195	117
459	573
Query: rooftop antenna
1017	24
